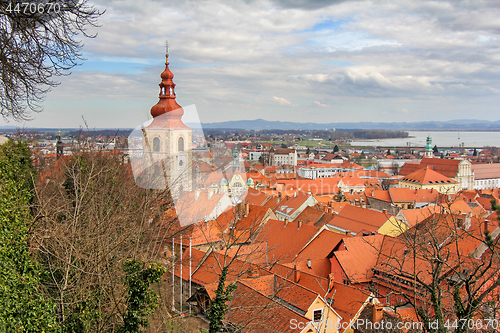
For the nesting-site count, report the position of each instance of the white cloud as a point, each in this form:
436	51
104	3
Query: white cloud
283	101
240	56
318	103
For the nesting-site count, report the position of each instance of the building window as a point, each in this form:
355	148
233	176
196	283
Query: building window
317	315
156	144
180	144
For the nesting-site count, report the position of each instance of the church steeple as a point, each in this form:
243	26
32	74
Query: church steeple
167	107
429	151
167	101
59	146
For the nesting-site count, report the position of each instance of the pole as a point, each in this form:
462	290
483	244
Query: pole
189	273
180	276
173	276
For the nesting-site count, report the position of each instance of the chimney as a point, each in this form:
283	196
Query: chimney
309	263
330	282
279	195
296	274
486	226
384	211
468	220
247	209
196	195
325	209
378	313
300	225
286	222
253	273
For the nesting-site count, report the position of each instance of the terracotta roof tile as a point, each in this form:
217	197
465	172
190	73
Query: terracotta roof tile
320	246
427	176
446	167
258	313
310	215
382	195
276	236
348	301
357	219
318	267
415	216
359	257
256	197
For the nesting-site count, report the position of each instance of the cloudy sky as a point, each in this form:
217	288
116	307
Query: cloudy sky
289	60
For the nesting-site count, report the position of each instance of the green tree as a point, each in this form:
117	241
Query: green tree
23	305
435	149
335	149
218	307
475	152
141	300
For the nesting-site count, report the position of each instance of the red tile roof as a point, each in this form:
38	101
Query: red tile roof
348	301
257	313
195	206
427	176
415	216
359	257
256	197
320	246
382	195
290	204
310	215
276	238
357	219
399	195
446	167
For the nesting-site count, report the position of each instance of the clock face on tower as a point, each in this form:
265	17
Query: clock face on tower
181	161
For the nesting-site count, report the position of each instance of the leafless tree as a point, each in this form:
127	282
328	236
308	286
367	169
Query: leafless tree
38	41
447	267
91	218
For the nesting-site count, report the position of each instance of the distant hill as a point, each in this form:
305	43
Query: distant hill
451	125
260	124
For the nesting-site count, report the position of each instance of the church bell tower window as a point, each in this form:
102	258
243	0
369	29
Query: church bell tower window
156	144
181	144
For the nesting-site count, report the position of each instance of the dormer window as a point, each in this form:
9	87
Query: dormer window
317	315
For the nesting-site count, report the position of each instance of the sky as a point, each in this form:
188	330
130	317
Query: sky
288	60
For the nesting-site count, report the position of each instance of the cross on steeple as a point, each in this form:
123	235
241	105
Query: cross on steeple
166	47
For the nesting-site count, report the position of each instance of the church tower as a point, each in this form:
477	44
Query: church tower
168	140
429	150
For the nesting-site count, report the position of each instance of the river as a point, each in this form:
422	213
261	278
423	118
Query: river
439	138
